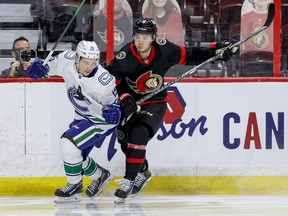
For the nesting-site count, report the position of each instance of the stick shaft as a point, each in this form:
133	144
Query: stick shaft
270	17
63	33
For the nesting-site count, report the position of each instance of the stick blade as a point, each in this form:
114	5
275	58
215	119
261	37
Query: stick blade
271	13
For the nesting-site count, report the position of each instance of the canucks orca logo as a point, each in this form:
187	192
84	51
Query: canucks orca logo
78	99
146	83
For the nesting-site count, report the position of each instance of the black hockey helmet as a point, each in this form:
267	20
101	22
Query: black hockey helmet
145	26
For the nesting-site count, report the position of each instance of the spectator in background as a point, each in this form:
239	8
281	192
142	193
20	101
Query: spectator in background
256	54
252	21
122	25
168	19
21	51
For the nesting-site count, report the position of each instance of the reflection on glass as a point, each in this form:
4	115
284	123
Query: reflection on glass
256	56
122	24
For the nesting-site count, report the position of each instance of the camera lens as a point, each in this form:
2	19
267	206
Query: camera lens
25	55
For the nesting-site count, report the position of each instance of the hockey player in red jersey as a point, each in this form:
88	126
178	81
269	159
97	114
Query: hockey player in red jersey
139	68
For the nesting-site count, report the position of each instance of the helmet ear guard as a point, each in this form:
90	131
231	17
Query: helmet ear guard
145	26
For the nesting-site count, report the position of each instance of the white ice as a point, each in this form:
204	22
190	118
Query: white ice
196	205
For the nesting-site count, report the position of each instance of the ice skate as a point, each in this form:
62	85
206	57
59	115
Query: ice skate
69	193
99	184
124	190
141	181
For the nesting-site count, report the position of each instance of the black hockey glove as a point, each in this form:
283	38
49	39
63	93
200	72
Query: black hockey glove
222	49
128	104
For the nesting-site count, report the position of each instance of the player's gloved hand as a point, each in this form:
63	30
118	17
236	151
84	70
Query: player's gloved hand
128	104
37	70
223	50
112	113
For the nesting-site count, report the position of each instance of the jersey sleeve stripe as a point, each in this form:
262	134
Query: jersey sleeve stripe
183	55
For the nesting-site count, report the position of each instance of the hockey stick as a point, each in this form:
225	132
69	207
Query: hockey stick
63	33
270	17
269	20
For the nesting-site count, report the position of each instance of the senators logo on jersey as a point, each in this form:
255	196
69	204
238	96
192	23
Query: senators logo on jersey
146	83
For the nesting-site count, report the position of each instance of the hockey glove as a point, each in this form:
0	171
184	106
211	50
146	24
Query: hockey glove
37	70
128	104
112	114
223	50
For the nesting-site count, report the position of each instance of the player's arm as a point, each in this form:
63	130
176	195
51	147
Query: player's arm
37	70
124	105
53	67
197	55
111	111
126	101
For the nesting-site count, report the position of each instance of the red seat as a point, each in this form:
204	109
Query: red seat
256	64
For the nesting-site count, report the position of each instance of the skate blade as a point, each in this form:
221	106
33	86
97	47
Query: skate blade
106	182
74	198
144	185
119	200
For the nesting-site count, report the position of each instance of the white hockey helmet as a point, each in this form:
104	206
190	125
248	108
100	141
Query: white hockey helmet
88	49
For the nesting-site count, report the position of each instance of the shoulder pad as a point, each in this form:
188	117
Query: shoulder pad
161	41
70	55
121	55
105	78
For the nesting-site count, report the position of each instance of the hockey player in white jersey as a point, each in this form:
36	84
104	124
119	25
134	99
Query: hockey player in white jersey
91	90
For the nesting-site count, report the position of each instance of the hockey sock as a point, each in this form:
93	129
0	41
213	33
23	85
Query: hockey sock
134	159
72	161
90	168
136	150
144	166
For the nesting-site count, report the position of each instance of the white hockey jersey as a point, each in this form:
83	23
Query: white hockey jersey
87	94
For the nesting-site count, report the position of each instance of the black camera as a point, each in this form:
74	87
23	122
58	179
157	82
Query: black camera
25	55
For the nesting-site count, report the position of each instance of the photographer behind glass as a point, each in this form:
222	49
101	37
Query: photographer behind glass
21	52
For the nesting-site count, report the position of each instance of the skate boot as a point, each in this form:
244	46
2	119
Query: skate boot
142	179
69	193
99	184
124	190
